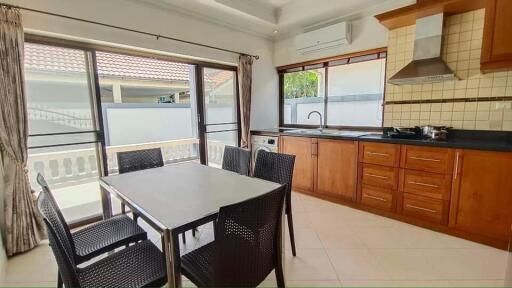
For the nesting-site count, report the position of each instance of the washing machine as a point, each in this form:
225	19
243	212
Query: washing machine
261	142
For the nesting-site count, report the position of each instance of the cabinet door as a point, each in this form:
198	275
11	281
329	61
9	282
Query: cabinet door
305	161
482	193
337	168
497	43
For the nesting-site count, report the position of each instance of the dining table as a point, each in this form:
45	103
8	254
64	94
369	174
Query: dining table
179	197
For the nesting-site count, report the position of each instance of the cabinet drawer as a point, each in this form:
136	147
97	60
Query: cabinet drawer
423	208
376	197
380	154
380	176
437	160
426	184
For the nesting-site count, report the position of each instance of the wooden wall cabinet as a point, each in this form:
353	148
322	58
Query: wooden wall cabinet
322	166
481	200
497	40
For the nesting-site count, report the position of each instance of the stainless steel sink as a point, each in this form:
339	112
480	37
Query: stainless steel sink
342	133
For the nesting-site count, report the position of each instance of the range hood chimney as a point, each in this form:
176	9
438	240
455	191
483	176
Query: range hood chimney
427	65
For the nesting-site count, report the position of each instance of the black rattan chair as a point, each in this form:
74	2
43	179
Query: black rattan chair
139	265
236	159
130	161
95	239
246	245
278	167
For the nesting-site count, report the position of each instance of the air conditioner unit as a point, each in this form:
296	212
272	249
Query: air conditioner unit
324	38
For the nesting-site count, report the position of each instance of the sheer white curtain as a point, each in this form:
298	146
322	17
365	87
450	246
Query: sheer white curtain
23	224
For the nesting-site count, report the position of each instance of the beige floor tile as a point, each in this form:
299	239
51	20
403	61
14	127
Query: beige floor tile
357	264
35	266
382	237
300	220
470	264
304	238
395	283
313	284
309	264
340	239
407	264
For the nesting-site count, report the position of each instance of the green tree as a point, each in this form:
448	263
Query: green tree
301	84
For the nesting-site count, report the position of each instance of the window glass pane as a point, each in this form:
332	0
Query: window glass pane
59	100
303	93
58	90
72	174
216	143
147	104
219	96
356	93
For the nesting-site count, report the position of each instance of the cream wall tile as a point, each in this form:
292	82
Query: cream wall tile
462	51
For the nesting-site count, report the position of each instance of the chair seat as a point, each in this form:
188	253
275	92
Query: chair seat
140	265
106	235
198	265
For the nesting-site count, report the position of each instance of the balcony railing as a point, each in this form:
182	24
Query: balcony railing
66	168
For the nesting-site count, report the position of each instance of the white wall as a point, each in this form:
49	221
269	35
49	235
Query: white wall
163	21
367	34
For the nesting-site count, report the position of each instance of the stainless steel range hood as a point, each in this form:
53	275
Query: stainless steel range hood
427	65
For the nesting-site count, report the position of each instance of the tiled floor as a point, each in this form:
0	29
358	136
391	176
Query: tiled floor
339	246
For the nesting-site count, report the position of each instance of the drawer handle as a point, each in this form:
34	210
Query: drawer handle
378	154
421	208
376	176
425	159
375	198
423	184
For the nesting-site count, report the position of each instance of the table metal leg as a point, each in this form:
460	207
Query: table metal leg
172	259
106	203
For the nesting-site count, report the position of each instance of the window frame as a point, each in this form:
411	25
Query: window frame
323	63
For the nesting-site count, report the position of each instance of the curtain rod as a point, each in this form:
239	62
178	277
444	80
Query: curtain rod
128	29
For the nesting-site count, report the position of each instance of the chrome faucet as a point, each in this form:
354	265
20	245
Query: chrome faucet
321	128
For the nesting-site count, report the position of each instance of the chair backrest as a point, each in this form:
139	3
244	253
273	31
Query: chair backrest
246	239
53	214
236	159
275	167
130	161
60	238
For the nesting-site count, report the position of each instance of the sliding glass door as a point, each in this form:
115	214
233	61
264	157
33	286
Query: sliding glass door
63	133
220	124
85	106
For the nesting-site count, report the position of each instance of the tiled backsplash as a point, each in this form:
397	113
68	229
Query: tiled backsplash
460	104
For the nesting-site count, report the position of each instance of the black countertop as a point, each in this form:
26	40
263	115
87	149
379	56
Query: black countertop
464	139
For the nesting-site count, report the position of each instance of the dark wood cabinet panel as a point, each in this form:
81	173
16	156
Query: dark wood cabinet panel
337	168
497	43
482	193
305	160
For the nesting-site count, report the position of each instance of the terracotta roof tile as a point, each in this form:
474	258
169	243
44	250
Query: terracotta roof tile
56	59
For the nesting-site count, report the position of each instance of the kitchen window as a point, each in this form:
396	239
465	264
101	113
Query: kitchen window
347	91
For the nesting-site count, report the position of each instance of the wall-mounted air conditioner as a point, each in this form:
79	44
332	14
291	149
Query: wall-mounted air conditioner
324	38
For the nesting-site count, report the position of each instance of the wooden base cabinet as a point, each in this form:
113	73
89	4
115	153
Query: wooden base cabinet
322	166
305	151
481	200
337	168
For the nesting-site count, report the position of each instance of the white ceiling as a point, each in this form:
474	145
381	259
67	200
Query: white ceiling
264	17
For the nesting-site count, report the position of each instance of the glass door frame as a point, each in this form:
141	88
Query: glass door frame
90	49
201	114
